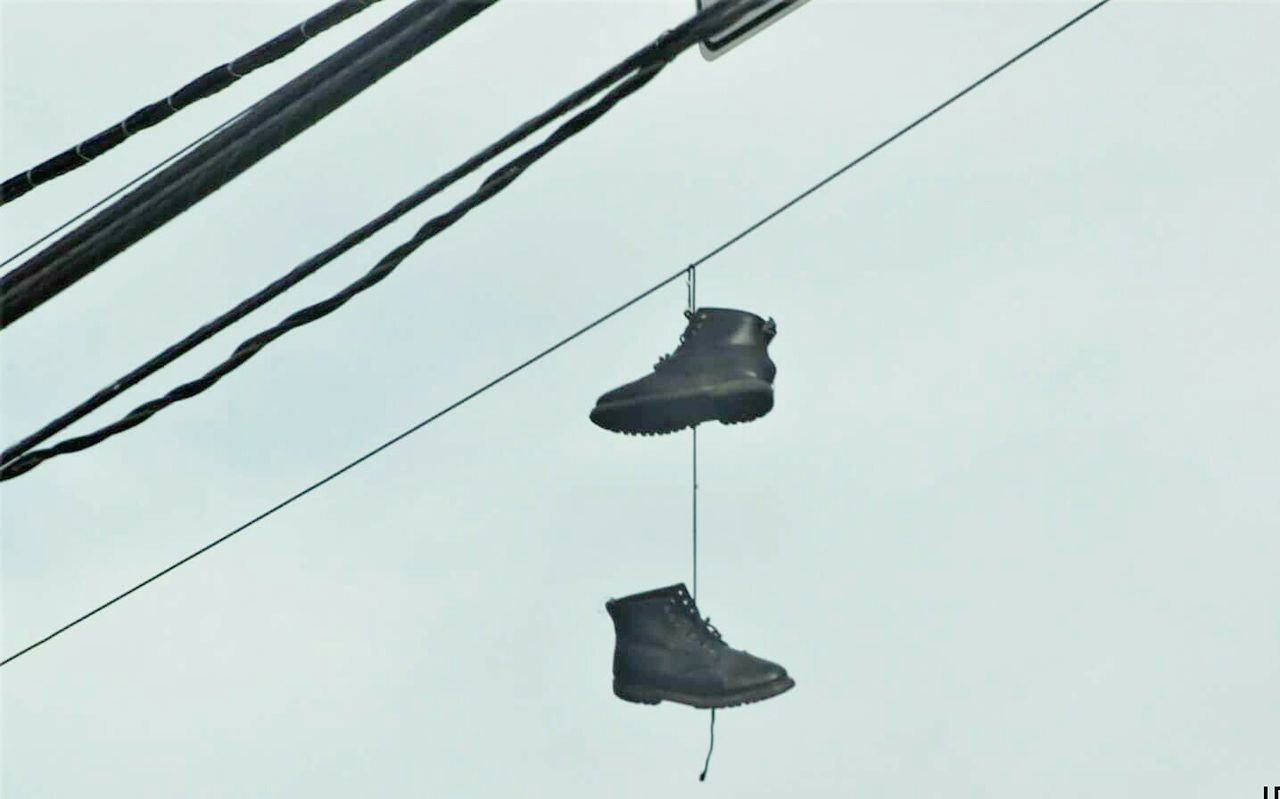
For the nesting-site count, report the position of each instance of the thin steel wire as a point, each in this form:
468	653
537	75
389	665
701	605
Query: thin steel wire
554	347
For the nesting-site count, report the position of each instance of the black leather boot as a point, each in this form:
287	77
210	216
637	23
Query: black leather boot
665	650
721	370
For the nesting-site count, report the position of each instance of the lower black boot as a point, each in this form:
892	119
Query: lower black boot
721	370
666	650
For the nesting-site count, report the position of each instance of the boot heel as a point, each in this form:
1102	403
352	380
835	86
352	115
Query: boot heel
743	401
634	694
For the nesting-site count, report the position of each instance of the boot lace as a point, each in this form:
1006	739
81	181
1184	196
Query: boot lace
699	626
695	322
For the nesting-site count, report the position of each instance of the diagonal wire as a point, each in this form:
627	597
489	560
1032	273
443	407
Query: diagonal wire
296	275
564	341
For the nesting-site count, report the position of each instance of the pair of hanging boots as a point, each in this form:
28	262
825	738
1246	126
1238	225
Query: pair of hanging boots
721	371
664	649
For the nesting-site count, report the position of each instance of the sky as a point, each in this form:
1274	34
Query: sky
1011	525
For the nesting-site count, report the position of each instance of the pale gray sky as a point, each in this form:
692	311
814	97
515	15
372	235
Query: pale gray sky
1012	524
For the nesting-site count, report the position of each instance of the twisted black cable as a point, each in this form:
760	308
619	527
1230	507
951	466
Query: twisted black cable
641	57
582	331
265	127
656	56
211	82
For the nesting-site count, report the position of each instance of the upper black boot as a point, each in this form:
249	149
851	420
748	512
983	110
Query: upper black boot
721	370
665	650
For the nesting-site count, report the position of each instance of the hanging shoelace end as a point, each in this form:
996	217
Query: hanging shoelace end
706	765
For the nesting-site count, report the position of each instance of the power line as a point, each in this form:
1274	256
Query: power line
654	52
211	82
567	339
264	128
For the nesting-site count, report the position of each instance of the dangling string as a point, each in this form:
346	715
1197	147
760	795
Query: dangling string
707	763
691	280
691	283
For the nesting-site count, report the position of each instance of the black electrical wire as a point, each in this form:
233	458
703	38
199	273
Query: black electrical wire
211	82
176	155
648	54
264	128
564	341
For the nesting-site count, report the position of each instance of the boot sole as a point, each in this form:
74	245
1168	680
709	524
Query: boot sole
648	695
731	402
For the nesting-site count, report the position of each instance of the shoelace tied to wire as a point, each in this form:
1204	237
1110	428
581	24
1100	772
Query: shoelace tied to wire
644	67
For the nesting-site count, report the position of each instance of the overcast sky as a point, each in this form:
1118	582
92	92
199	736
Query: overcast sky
1012	524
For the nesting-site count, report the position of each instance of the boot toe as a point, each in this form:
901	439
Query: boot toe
767	671
623	393
749	671
641	407
772	672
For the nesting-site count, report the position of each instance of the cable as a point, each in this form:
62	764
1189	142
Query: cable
610	76
211	82
549	350
265	127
